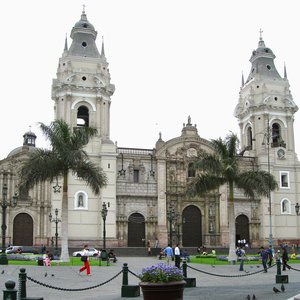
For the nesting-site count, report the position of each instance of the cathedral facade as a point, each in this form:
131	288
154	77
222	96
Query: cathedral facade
145	195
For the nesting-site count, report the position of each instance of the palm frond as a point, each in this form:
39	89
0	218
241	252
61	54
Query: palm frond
204	183
90	173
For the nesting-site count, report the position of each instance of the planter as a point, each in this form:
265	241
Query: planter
163	291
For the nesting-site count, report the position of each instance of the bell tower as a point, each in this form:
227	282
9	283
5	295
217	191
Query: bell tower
266	109
265	112
82	93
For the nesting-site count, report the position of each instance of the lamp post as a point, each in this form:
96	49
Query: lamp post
4	205
171	216
297	207
56	221
104	215
267	136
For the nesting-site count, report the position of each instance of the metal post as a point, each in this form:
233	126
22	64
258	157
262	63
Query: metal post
4	205
55	220
22	283
3	257
184	268
171	216
125	274
104	234
104	215
278	263
10	293
269	191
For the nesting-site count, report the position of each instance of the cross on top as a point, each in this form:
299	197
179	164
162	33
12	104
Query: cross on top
83	8
260	34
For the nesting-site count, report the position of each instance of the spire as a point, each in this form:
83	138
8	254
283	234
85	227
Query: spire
66	44
102	48
261	43
285	74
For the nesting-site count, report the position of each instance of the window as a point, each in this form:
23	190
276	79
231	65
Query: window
191	170
284	179
83	117
81	200
249	137
136	174
285	206
275	133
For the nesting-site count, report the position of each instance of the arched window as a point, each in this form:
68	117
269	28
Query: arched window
81	200
276	134
285	206
249	137
83	117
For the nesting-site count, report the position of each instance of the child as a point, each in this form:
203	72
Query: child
47	261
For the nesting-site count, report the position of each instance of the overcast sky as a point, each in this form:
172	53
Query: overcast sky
168	59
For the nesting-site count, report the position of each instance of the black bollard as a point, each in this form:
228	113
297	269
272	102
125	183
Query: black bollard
128	290
190	282
278	263
22	283
125	274
10	293
184	267
280	278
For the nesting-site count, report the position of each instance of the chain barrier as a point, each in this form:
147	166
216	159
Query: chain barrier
72	290
137	276
220	275
291	268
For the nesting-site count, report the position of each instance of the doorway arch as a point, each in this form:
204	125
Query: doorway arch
191	227
23	230
242	229
136	230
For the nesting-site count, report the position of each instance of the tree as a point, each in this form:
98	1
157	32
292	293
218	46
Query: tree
66	155
223	167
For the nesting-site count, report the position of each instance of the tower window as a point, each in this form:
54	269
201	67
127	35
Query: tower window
83	78
136	175
284	179
84	44
268	67
83	117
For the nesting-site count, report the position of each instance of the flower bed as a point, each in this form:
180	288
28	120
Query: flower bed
161	273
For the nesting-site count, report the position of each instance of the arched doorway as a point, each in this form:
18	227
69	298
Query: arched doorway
191	227
23	230
136	230
242	229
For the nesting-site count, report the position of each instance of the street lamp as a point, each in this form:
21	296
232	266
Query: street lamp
267	136
56	221
297	207
4	205
104	215
171	216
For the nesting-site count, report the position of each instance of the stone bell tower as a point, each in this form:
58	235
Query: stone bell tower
265	113
82	94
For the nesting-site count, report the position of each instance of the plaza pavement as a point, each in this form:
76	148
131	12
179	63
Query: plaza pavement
208	286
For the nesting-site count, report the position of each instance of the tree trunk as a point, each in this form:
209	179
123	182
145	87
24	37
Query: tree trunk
64	222
231	225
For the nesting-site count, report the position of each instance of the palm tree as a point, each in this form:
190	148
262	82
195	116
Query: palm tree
223	167
66	155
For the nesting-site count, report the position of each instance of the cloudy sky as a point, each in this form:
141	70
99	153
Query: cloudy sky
168	59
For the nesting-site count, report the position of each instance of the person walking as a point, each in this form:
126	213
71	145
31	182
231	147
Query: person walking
270	255
85	259
242	257
177	256
264	257
285	259
169	253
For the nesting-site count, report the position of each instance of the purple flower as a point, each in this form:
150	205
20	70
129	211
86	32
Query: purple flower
161	273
